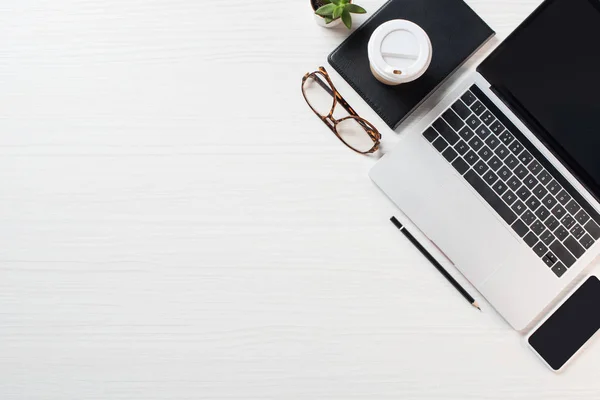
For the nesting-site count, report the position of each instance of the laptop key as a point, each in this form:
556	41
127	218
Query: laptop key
544	177
506	137
530	239
514	183
468	98
559	269
461	147
485	153
593	229
460	165
577	231
477	108
528	217
430	134
499	187
561	233
554	187
542	213
530	181
525	157
502	152
540	191
534	167
521	171
471	157
509	197
533	203
490	197
582	217
483	132
487	118
568	221
476	143
574	247
449	154
518	207
587	241
562	253
515	147
563	197
537	227
497	128
523	193
461	109
551	222
572	207
540	249
547	237
473	122
490	177
440	144
466	133
453	119
549	201
520	228
492	142
511	161
481	167
495	163
549	259
505	173
445	131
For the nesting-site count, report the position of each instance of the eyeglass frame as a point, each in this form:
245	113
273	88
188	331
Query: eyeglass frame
332	122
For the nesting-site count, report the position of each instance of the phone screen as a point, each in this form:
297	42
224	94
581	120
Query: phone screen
570	327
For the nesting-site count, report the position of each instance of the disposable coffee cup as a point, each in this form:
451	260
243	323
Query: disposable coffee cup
399	51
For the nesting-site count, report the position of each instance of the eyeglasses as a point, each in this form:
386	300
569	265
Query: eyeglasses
322	97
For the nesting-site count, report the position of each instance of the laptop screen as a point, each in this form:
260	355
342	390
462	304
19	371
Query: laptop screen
548	72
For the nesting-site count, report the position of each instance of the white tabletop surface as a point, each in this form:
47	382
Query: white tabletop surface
176	223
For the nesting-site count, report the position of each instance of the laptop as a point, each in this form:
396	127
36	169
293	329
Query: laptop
504	174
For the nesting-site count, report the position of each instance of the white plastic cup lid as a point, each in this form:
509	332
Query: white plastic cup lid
399	51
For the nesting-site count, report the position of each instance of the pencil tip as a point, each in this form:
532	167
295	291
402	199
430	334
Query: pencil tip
476	305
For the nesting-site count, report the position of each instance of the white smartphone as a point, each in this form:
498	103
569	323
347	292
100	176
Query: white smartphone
569	327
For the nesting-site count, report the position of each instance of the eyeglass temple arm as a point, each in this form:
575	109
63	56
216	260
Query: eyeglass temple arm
343	102
339	98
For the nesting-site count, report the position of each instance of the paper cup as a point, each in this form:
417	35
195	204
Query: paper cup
399	52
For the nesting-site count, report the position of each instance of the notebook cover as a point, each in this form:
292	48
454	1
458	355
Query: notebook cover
455	30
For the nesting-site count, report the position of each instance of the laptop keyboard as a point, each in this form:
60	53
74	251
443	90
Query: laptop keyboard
542	211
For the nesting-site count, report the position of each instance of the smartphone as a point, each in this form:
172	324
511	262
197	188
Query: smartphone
569	327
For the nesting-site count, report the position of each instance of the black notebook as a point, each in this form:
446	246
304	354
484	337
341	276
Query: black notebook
456	32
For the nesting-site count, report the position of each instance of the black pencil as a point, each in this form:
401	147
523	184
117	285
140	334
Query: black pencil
436	264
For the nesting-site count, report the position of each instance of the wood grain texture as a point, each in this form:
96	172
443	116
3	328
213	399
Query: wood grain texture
176	224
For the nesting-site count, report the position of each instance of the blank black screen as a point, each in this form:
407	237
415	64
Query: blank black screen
549	69
570	327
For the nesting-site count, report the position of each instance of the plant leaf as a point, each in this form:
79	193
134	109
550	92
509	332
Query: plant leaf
353	8
347	18
336	2
326	10
337	12
328	20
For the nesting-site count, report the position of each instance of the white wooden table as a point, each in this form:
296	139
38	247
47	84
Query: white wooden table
176	224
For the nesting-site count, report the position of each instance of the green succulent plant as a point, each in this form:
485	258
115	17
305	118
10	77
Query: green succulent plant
334	9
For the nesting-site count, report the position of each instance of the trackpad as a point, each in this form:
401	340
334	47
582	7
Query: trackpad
457	221
478	235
